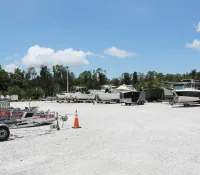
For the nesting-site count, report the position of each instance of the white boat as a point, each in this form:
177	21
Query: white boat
109	96
2	97
65	96
111	93
187	87
186	92
126	88
81	96
7	97
103	89
25	118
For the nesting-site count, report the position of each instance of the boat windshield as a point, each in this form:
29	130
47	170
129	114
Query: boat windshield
181	86
178	86
28	115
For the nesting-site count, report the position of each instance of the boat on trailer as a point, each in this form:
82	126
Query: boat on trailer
27	117
106	93
186	92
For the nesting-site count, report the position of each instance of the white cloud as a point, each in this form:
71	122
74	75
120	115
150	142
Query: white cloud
10	67
38	56
93	54
194	45
113	51
198	27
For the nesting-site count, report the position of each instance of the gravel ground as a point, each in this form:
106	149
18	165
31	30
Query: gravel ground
153	139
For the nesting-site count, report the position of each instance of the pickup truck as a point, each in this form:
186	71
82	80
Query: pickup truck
4	132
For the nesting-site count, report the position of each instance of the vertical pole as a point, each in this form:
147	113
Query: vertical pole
58	127
67	80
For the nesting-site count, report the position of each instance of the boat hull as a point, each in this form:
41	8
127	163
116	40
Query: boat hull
108	97
186	100
189	93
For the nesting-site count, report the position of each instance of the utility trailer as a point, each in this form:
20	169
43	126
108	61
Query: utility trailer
131	97
14	98
154	95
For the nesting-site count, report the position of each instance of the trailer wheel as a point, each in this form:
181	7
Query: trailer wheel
4	133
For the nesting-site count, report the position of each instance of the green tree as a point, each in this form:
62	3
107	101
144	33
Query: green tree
197	76
101	76
56	89
152	80
18	78
4	79
46	80
135	78
115	82
34	93
126	78
193	73
16	90
85	79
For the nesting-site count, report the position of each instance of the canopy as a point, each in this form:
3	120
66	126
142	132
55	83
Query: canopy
125	88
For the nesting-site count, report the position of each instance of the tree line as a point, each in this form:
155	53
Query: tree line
30	84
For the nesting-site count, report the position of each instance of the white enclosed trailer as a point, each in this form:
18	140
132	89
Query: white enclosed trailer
14	97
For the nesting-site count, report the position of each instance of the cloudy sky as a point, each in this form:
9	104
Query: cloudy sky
116	35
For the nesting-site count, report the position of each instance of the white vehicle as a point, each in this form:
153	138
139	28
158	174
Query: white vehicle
14	97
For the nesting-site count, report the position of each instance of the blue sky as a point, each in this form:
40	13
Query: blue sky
116	35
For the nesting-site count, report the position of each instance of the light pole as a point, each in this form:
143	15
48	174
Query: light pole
67	79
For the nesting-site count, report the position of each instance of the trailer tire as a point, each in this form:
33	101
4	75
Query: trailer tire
4	133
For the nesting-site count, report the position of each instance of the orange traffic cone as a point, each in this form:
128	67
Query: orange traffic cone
76	123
